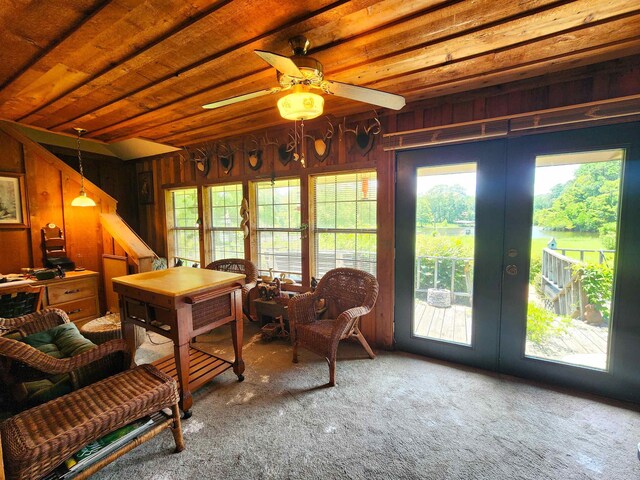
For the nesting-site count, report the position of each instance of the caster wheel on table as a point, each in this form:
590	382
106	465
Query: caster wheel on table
186	415
240	378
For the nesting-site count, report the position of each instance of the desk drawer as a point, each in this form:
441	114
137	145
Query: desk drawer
79	309
68	291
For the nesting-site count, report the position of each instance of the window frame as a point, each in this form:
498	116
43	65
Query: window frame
171	229
255	230
209	229
315	231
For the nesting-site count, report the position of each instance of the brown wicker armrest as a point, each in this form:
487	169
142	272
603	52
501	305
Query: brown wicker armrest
345	320
42	362
301	308
35	322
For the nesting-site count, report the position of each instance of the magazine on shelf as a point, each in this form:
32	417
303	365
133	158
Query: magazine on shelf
104	446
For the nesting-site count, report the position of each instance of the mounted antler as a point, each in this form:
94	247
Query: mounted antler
322	146
366	136
201	156
254	154
225	154
285	150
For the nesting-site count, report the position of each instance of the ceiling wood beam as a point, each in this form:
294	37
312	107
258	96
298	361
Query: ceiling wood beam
436	24
562	60
87	16
98	95
577	38
144	28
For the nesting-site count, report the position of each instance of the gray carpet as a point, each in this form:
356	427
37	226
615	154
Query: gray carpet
399	416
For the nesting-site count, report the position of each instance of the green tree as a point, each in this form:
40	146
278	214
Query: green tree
587	202
444	203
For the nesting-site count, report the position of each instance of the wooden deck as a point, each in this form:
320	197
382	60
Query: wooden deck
582	344
452	324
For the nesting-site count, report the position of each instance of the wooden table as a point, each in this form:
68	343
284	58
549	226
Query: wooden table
181	303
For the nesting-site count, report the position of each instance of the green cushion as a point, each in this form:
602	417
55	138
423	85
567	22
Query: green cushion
63	341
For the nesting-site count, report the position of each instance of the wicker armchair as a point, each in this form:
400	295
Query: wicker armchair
21	363
245	267
18	300
348	294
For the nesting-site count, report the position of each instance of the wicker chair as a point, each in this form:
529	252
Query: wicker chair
21	363
18	300
245	267
348	294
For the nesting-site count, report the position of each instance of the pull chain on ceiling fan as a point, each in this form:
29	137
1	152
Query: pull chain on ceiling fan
304	75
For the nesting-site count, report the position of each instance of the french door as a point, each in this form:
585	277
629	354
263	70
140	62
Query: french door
521	256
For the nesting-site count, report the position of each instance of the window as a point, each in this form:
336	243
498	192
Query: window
226	239
183	232
344	233
278	227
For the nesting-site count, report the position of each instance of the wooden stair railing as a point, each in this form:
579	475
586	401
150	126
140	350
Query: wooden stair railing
137	250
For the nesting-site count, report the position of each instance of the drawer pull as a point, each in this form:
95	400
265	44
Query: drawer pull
67	292
74	311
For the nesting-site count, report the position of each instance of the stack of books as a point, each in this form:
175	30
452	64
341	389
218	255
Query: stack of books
100	448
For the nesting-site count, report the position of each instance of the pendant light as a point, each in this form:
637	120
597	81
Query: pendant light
81	200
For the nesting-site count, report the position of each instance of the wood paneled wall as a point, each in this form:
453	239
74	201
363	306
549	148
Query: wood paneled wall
50	186
111	174
597	82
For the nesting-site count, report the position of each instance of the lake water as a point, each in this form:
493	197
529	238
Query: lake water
538	232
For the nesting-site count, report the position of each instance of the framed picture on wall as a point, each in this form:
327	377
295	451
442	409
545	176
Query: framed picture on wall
145	187
13	203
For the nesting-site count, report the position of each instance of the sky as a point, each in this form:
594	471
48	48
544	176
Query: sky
546	178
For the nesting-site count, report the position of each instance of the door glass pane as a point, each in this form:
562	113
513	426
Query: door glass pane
573	248
445	241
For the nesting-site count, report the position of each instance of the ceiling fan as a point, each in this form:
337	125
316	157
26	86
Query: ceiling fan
303	75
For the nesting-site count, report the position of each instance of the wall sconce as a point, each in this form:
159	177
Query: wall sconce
81	200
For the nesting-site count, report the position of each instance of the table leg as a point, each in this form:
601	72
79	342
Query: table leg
181	354
237	337
128	330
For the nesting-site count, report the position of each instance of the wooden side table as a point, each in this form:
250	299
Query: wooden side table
181	303
270	308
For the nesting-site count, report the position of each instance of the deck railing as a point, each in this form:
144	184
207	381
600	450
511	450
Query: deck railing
561	284
452	273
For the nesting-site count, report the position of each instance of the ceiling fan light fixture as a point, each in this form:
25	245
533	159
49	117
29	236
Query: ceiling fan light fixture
301	104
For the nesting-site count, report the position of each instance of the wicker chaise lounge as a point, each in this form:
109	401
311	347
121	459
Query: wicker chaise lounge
38	440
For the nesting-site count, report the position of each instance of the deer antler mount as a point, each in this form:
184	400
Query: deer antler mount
201	156
322	145
254	154
365	135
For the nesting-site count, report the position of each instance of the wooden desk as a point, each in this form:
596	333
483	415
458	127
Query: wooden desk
76	293
181	303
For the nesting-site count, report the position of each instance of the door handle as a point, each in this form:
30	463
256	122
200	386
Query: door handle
511	270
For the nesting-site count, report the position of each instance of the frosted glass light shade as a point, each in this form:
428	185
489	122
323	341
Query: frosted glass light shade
82	200
301	105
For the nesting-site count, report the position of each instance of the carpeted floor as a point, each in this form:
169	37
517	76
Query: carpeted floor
399	416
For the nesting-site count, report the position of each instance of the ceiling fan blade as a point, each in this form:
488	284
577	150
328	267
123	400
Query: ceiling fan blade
280	63
241	98
366	95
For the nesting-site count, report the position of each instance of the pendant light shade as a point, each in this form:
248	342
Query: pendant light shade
81	200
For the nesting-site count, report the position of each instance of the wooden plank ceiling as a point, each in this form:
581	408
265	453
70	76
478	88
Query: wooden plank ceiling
133	68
